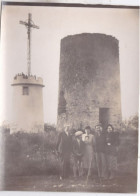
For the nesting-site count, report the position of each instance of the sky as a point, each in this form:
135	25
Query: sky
56	23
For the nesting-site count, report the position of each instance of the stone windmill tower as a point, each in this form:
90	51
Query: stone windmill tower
28	95
89	81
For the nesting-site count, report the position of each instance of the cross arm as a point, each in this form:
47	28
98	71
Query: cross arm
34	26
24	23
29	24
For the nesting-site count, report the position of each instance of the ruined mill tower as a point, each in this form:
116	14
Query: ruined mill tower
89	81
28	95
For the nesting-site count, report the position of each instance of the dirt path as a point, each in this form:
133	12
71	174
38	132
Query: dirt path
52	183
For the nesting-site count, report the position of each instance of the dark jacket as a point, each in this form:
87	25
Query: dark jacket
100	142
78	148
112	141
64	144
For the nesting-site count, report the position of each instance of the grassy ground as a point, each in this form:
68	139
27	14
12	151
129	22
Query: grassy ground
52	183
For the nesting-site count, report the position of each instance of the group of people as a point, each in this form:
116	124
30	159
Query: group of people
88	154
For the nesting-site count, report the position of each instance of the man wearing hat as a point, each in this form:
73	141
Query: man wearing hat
78	151
64	149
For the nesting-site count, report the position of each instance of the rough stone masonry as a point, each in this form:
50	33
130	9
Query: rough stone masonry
89	81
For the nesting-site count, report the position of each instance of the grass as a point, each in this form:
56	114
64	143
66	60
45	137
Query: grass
31	158
34	154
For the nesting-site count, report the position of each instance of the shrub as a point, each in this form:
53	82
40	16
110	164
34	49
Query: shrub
34	154
30	154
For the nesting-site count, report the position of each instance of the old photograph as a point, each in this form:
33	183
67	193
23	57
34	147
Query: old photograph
69	104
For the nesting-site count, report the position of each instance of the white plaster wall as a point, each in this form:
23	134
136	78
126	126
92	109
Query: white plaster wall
27	109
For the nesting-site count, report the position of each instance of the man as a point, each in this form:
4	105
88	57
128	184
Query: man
100	141
64	149
78	152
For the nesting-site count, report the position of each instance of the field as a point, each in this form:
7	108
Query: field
31	164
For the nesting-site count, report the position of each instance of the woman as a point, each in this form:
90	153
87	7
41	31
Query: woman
88	158
112	142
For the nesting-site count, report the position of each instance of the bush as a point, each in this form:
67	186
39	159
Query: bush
30	154
128	152
34	154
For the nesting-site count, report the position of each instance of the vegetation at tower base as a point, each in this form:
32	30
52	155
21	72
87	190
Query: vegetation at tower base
34	153
30	153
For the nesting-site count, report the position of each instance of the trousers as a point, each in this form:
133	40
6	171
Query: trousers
65	166
101	164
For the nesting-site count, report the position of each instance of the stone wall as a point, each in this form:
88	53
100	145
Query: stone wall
89	79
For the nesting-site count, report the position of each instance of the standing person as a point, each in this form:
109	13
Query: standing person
100	139
112	142
64	149
78	152
88	159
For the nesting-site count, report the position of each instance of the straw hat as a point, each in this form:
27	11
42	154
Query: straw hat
78	133
66	125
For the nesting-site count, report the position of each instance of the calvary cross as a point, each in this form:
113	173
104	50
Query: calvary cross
30	24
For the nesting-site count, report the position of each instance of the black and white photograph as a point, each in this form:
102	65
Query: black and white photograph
69	98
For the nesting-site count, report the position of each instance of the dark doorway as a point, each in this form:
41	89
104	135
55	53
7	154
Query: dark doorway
104	116
62	103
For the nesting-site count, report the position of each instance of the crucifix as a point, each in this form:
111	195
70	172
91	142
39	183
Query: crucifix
29	24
